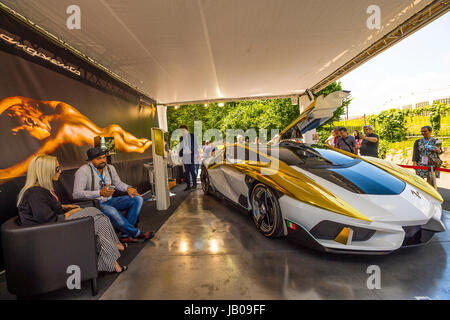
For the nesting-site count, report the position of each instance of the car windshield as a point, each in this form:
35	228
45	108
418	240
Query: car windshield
349	173
238	154
314	156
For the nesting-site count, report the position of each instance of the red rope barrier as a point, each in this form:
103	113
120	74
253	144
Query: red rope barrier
423	168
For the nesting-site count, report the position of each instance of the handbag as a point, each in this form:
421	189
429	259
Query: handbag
432	162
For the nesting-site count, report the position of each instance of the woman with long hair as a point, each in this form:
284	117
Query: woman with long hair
37	203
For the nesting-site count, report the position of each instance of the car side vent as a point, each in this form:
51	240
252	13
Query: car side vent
243	201
329	230
416	235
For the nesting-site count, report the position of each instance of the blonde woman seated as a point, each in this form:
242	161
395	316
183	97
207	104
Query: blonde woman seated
38	203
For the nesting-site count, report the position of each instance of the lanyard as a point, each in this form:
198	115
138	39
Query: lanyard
426	144
101	177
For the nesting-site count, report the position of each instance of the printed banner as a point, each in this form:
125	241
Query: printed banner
52	102
48	106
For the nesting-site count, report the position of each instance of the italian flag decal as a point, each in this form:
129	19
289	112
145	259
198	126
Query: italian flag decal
290	225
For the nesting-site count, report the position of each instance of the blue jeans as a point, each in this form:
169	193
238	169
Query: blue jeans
125	225
190	171
197	166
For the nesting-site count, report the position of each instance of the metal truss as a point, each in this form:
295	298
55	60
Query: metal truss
431	12
183	103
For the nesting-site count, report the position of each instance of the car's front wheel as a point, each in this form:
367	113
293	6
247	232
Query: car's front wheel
266	211
204	178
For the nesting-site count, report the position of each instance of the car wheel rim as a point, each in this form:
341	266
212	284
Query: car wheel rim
263	205
205	181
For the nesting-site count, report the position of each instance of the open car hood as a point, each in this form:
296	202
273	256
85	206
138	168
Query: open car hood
319	111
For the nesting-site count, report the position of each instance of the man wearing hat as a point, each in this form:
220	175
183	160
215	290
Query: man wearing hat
98	180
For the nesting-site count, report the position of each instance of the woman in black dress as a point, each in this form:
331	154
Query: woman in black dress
37	203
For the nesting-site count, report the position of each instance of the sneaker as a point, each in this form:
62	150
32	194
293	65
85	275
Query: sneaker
193	187
146	235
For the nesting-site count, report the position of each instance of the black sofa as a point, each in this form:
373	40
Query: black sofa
37	257
19	263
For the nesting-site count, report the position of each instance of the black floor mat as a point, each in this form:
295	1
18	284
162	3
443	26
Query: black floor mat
149	220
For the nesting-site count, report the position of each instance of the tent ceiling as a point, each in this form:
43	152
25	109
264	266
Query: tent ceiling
188	50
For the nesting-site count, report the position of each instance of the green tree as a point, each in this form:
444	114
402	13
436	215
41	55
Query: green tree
391	125
437	110
256	114
260	114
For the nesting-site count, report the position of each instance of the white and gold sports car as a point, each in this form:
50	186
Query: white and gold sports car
322	197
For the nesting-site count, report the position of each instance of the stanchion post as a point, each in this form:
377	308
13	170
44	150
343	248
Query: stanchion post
432	175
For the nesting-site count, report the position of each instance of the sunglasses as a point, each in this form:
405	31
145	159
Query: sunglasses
58	169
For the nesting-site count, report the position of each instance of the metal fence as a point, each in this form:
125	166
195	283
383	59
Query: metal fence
413	125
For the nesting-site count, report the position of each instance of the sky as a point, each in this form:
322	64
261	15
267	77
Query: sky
414	70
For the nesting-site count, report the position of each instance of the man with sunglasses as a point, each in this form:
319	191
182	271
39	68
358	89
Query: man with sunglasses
98	180
369	143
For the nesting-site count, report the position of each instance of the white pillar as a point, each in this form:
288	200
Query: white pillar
162	117
160	175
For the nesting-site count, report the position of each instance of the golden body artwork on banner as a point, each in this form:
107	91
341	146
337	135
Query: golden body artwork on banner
64	124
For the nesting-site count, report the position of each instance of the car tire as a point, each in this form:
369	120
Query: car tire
204	178
266	212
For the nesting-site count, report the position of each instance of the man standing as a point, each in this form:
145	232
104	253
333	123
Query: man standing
98	180
345	141
369	143
207	149
189	153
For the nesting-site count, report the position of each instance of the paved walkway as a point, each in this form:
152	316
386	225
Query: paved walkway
209	250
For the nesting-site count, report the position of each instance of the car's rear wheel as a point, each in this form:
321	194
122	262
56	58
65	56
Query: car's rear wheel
204	178
266	211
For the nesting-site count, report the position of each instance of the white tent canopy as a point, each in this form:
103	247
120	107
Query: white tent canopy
192	50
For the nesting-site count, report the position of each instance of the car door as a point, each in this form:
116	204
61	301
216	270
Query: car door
216	175
237	189
318	112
